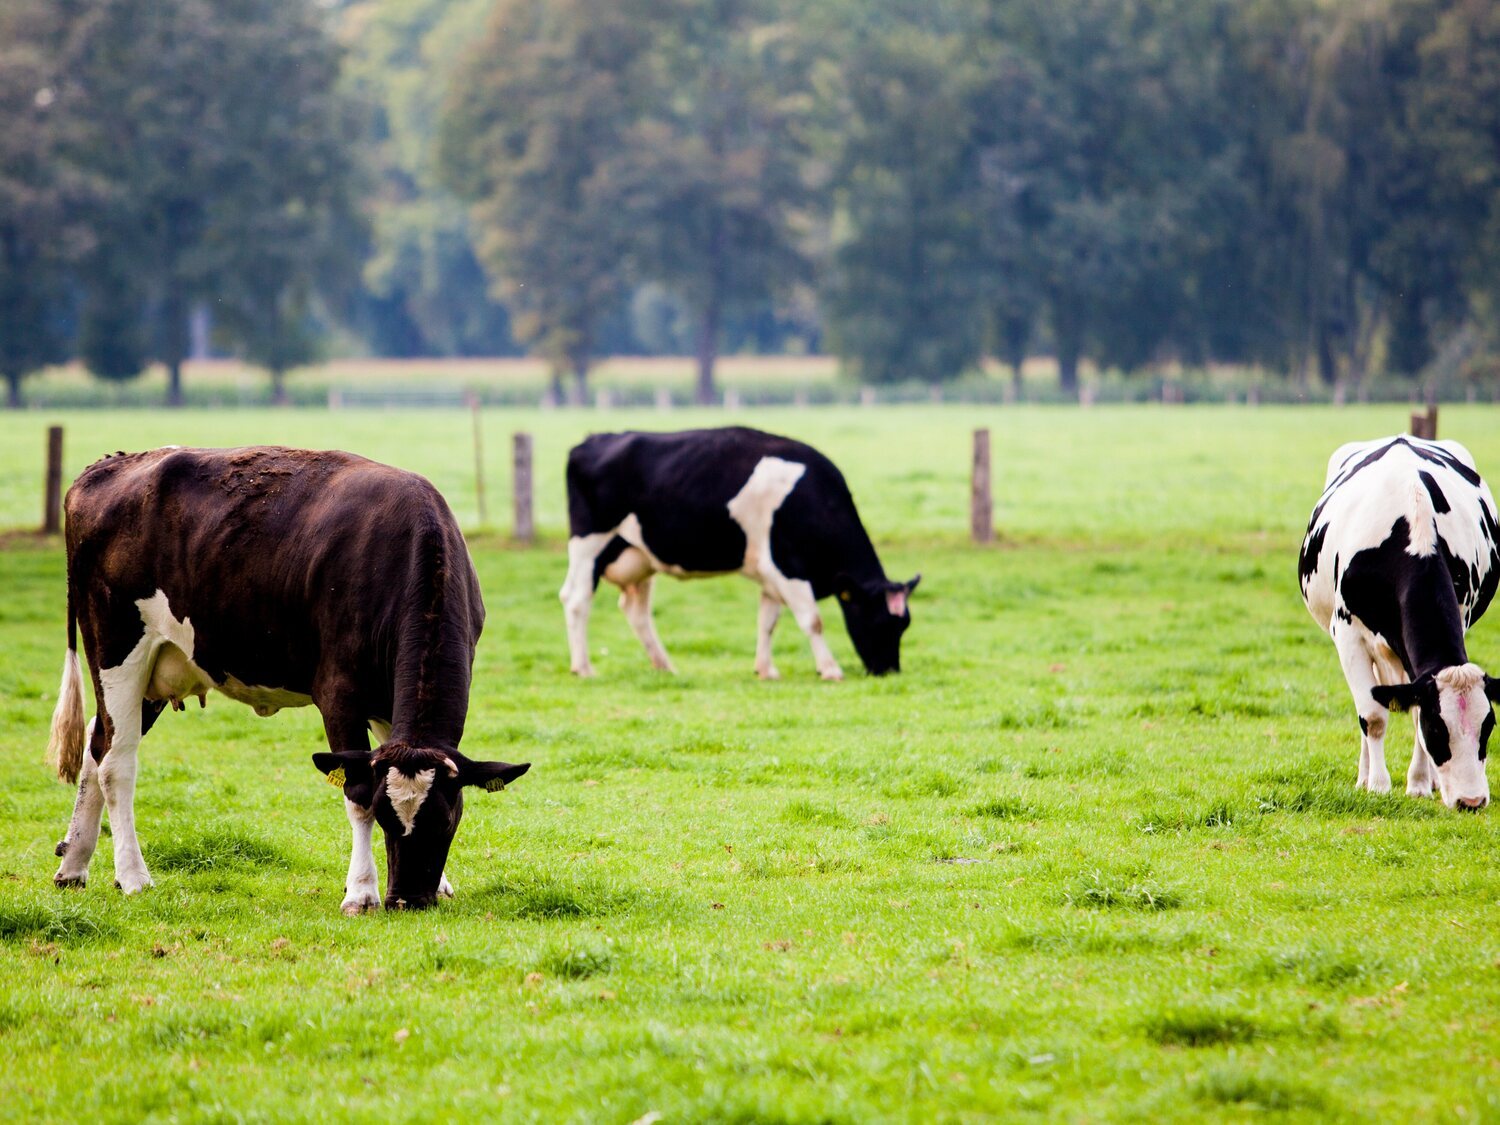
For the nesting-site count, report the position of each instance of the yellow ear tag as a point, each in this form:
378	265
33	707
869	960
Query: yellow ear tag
494	785
336	777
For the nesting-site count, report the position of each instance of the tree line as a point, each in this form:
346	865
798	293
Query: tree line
1306	186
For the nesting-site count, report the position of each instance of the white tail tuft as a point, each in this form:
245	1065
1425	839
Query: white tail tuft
65	746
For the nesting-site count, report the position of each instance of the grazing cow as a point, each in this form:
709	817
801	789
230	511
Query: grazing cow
1400	558
705	502
281	578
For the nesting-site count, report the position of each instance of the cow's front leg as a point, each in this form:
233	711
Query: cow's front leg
362	884
445	888
770	613
1359	673
798	596
1421	775
77	847
577	596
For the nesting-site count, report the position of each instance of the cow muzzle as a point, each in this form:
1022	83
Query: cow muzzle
1473	804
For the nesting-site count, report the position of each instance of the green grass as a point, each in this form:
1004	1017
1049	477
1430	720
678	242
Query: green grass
1096	853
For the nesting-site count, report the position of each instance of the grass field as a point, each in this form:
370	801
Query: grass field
1095	855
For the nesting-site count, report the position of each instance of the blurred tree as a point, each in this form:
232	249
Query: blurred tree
904	292
713	171
427	292
218	130
533	135
39	192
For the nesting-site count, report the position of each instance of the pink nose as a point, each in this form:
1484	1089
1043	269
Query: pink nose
1473	802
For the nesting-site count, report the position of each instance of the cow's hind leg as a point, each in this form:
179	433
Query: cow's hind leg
1359	673
770	613
1421	775
577	595
77	847
633	574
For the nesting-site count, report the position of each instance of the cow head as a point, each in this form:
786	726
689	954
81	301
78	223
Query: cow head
876	614
1456	719
417	797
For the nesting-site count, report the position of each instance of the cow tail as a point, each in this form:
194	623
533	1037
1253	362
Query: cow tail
65	745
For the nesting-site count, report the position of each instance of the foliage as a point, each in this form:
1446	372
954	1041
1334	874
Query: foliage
219	140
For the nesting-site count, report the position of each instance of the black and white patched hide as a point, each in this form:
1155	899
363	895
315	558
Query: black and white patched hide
1399	560
725	501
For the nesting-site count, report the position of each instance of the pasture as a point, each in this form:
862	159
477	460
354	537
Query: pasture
1096	853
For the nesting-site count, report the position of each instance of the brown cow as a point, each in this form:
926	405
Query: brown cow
281	578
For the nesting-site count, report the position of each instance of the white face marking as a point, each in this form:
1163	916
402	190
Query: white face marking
406	794
1463	706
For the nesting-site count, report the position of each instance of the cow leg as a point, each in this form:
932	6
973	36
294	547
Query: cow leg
77	847
362	884
1421	775
798	596
635	601
770	613
577	595
1359	672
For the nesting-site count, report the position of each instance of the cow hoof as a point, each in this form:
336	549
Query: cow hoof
1380	785
585	672
833	677
62	880
362	900
62	847
768	673
133	884
445	888
1419	790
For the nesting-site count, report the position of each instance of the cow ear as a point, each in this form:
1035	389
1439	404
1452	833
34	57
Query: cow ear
912	585
492	776
351	771
1398	697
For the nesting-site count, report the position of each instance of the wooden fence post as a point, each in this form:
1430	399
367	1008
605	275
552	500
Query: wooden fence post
981	506
52	504
484	517
525	531
1424	425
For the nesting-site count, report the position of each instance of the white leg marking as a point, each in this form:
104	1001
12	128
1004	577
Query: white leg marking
577	595
445	888
1359	673
798	596
83	828
635	601
1421	775
361	887
124	688
770	612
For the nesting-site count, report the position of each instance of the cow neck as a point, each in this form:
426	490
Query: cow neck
433	656
1432	629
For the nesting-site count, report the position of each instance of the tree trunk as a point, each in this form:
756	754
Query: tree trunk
13	390
708	353
1015	335
558	398
174	344
578	394
1069	330
278	387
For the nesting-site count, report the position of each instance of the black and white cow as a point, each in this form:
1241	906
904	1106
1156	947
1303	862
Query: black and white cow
1399	560
705	502
281	578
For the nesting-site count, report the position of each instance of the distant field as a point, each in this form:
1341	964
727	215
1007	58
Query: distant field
1095	855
